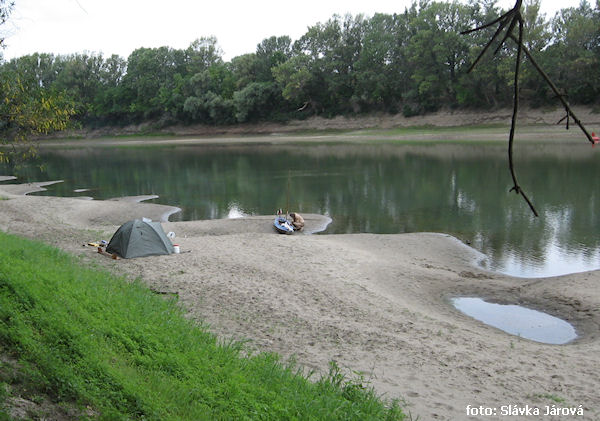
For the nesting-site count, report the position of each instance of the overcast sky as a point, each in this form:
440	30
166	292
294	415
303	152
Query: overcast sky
121	26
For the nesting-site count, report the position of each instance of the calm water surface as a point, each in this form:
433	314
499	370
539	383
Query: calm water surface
517	320
457	189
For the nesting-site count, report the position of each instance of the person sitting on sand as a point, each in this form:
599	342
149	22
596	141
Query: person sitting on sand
297	221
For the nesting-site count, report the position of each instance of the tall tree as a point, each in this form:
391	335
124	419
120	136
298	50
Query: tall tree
256	101
436	52
203	53
244	69
536	35
577	47
297	83
209	95
81	78
27	108
270	53
380	79
330	52
150	80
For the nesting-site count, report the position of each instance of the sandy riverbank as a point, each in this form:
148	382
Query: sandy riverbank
378	304
441	119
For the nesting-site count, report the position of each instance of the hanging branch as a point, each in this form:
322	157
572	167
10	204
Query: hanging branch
560	96
505	19
516	188
511	19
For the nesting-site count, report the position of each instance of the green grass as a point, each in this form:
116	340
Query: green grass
83	337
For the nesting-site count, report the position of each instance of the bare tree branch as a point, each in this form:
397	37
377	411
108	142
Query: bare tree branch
560	96
516	188
511	19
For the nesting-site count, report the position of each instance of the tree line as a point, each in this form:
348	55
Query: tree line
412	63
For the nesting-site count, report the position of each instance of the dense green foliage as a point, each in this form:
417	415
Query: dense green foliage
83	336
27	108
412	62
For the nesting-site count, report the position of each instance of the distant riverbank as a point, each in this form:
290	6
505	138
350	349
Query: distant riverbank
441	119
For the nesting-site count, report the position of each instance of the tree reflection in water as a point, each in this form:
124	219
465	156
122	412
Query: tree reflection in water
458	189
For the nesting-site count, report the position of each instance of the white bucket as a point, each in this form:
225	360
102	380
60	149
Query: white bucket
176	249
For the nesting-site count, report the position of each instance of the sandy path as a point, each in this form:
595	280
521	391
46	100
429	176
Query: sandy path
378	304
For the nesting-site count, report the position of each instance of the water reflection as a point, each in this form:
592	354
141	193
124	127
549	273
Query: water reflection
561	254
456	189
235	211
517	320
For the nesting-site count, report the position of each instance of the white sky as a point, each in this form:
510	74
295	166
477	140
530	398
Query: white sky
119	27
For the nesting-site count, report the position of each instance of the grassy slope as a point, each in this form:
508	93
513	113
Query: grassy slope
92	340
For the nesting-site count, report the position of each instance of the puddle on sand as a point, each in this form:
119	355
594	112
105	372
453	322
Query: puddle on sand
517	320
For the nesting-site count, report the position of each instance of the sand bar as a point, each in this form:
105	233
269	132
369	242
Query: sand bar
378	304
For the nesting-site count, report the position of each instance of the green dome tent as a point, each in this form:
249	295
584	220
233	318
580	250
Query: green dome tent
139	238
